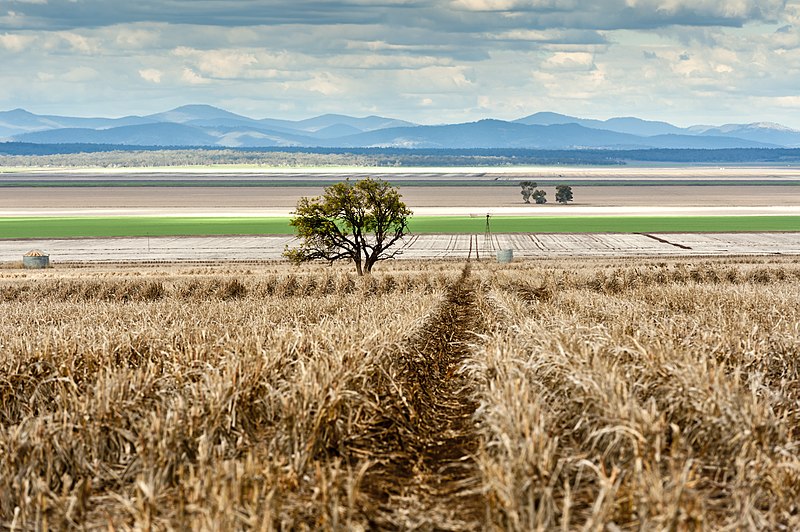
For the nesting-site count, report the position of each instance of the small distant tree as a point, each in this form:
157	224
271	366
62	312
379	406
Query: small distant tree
358	221
563	194
539	197
527	190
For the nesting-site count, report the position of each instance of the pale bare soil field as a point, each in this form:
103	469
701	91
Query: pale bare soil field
635	190
630	172
255	200
444	246
591	394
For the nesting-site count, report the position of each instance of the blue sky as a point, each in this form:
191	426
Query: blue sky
684	61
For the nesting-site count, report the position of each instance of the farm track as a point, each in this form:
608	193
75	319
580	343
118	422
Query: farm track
422	447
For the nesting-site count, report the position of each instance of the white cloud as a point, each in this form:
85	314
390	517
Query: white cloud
526	35
566	61
726	9
435	79
193	78
15	42
324	83
12	19
788	102
430	61
80	74
223	64
135	38
152	75
80	43
610	14
388	62
510	5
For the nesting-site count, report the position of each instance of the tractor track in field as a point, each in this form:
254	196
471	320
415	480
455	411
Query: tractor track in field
422	447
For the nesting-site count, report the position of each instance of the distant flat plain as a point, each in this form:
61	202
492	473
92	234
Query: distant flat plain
607	192
616	190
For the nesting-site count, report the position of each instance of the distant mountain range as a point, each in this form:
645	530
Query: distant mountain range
207	126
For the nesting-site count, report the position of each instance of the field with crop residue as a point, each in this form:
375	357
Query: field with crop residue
560	394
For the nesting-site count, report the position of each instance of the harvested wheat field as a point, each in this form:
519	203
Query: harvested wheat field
618	394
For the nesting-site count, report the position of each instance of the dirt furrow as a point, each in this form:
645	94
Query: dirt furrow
422	445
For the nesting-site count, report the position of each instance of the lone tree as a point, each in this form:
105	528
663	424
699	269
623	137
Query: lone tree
527	190
353	221
563	194
539	196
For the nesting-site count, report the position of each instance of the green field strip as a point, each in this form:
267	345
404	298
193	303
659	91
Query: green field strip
113	226
118	226
604	224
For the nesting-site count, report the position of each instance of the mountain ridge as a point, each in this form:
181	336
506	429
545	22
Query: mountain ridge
207	126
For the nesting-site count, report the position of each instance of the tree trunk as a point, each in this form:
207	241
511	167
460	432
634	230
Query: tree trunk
370	261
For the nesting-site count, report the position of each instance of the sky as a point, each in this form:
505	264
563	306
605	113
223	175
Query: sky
427	61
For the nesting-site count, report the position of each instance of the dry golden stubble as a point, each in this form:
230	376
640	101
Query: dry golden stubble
223	407
616	392
654	404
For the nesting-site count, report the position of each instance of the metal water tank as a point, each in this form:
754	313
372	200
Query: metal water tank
35	260
505	255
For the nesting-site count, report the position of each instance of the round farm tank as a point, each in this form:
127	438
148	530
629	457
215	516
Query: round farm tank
35	260
505	255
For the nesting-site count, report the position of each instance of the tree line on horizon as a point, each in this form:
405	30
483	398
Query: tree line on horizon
103	155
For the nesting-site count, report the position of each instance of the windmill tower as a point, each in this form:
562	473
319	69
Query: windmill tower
488	244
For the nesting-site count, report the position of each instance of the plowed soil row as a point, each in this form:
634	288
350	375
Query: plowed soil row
422	446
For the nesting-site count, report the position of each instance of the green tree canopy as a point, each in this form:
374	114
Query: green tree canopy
358	221
527	190
563	194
